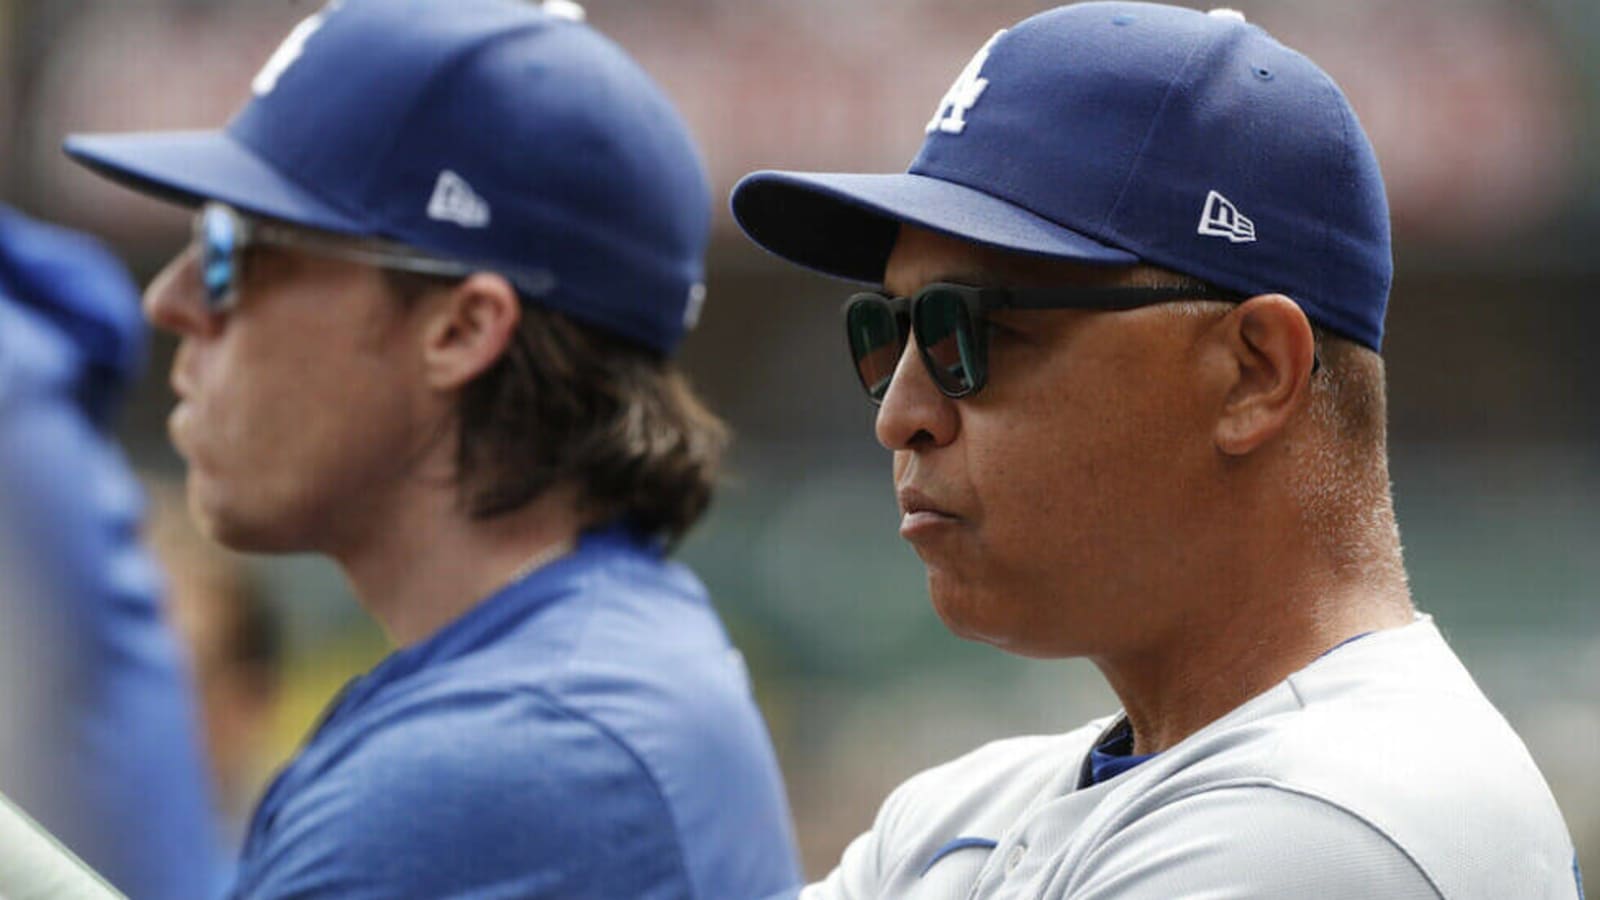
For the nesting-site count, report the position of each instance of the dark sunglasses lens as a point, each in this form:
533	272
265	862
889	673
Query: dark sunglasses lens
949	345
875	342
219	238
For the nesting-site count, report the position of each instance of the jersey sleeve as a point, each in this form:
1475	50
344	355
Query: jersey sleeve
964	803
1248	842
863	870
495	795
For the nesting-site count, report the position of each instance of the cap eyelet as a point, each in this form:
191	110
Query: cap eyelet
1262	72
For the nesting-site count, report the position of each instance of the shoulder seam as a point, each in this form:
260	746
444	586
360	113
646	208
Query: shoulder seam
638	761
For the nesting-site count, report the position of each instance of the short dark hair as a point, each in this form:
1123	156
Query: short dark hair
1349	393
570	403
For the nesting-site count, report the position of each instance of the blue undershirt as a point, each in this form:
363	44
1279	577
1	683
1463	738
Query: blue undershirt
1114	755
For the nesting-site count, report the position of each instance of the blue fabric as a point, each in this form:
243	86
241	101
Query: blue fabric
586	732
1114	755
960	843
101	740
85	295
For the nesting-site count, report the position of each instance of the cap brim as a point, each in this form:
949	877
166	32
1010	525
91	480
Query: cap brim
845	225
191	167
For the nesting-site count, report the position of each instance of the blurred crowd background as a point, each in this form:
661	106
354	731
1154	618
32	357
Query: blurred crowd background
1486	117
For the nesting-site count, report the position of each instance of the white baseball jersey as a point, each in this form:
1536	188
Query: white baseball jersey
1379	770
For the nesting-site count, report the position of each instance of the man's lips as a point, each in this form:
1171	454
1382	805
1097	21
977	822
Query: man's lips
178	420
180	385
919	513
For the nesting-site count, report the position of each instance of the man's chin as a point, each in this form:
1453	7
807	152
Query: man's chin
233	527
966	613
990	618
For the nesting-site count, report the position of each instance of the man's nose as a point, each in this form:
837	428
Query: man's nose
914	413
173	301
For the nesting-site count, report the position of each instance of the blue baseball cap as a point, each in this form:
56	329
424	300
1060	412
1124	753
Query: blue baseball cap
1121	133
493	132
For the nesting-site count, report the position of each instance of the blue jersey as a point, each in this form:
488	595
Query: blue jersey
99	739
587	731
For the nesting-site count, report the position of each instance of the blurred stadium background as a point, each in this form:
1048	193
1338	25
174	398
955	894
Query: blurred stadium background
1486	115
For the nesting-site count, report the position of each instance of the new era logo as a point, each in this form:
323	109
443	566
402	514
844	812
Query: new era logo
1222	219
455	201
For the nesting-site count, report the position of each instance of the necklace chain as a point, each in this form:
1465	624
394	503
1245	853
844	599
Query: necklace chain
537	561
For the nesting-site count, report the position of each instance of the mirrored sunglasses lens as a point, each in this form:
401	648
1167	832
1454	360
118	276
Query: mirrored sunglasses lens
946	338
219	238
875	342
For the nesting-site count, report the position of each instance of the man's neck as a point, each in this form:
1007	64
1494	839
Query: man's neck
428	563
1237	645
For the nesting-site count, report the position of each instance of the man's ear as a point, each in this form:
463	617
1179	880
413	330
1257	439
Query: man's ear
1273	352
470	330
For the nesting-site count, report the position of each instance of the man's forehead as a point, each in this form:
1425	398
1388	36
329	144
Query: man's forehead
922	257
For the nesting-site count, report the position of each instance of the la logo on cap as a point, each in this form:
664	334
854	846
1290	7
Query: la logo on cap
951	116
289	51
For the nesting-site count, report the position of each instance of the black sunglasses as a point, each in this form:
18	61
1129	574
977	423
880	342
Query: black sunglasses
951	332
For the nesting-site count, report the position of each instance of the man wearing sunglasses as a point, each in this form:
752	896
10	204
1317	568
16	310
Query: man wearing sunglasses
1126	356
440	263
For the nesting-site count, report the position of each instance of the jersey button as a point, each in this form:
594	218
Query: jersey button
1014	858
